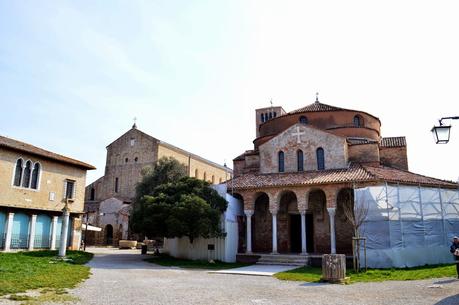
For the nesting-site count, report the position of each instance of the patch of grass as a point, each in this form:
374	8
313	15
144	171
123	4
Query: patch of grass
314	274
46	295
169	261
23	271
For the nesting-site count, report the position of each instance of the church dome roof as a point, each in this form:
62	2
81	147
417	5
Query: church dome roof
316	107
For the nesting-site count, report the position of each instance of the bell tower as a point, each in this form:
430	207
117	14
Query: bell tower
265	114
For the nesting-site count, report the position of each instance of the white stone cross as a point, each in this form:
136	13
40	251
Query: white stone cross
298	134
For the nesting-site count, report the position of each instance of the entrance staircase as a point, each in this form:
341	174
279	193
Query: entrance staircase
283	259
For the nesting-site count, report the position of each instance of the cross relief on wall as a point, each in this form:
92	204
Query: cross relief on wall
298	134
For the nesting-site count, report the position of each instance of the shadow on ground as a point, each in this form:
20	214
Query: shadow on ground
452	300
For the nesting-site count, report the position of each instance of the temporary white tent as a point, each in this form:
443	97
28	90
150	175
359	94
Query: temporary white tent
408	226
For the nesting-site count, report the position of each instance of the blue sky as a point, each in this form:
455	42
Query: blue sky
74	74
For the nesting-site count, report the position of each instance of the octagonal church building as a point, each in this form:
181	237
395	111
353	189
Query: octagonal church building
307	165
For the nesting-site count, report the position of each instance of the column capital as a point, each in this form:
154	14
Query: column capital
274	211
249	213
302	212
331	211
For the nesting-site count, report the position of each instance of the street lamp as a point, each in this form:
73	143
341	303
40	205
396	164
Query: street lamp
441	132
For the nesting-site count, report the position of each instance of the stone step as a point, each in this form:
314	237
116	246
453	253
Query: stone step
281	263
281	259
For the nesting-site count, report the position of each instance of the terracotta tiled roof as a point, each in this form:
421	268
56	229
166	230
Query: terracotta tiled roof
316	107
393	142
355	173
24	147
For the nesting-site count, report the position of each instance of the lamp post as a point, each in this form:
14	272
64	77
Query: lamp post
441	132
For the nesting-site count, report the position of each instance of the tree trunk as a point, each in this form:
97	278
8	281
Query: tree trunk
333	268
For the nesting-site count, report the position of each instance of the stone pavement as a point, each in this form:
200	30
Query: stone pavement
261	270
122	277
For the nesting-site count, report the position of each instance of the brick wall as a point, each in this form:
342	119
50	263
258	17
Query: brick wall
335	150
365	153
394	157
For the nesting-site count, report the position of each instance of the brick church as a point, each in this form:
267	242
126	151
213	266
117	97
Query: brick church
108	200
301	172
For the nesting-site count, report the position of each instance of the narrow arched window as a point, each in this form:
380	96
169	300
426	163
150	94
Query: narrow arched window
18	173
27	172
275	114
196	173
303	119
281	161
320	158
270	115
93	194
299	158
213	179
117	181
358	121
262	117
35	176
205	176
220	180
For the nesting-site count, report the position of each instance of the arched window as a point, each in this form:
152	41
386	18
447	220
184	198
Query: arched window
270	115
281	161
358	121
213	179
116	184
320	158
93	194
220	180
27	172
196	173
18	173
299	158
205	176
303	119
262	117
35	176
275	114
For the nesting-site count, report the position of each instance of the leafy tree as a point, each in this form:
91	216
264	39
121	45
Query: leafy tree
185	207
166	169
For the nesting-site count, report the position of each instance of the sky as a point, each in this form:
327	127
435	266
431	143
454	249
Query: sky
74	74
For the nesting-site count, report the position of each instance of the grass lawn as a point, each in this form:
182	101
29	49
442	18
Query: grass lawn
169	261
22	271
313	274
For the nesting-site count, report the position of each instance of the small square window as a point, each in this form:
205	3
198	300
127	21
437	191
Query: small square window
132	141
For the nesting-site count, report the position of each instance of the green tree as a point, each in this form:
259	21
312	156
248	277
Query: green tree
185	207
166	169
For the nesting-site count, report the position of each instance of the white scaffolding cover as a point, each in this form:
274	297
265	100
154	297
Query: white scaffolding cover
408	226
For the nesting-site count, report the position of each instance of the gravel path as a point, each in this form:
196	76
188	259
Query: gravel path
122	277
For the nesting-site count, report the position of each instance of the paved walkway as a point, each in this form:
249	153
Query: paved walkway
122	277
261	270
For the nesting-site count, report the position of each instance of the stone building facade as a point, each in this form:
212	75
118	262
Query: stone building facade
299	177
36	185
108	199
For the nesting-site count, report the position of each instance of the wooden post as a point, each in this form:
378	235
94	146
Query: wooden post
334	268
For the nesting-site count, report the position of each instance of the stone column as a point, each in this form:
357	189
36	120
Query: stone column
303	232
9	231
64	232
274	214
248	214
33	222
53	233
331	213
